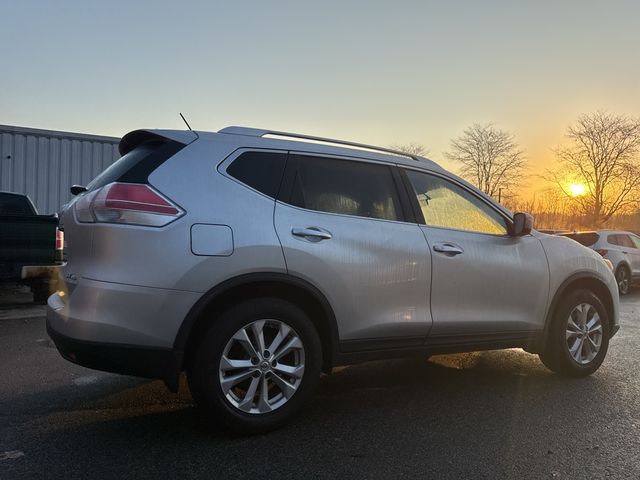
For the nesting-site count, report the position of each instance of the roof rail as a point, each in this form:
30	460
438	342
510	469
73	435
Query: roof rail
257	132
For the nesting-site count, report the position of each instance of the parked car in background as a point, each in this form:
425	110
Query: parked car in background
621	248
255	259
30	245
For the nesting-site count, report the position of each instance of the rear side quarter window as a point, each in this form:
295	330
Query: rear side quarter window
261	171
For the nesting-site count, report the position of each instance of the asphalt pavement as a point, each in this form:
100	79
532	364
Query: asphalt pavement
497	414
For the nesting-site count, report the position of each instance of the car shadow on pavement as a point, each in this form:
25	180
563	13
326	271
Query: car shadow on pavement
488	407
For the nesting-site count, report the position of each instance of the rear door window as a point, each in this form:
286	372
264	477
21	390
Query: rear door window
345	187
620	240
613	239
625	241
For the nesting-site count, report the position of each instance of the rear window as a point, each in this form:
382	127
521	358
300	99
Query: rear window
587	239
15	205
136	166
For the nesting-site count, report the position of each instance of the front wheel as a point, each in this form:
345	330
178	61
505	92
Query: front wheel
256	365
578	336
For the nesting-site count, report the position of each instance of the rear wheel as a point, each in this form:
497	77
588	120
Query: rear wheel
623	277
256	365
578	336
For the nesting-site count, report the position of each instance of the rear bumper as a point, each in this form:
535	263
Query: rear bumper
119	314
124	359
119	328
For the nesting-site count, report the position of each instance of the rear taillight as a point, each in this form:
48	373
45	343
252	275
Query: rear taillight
59	239
127	203
602	251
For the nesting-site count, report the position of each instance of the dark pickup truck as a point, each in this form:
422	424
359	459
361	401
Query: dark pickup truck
30	245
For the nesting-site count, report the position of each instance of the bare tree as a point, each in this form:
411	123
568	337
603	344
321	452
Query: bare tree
410	149
491	159
603	156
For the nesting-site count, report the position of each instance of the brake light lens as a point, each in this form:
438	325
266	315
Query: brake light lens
127	203
59	239
602	251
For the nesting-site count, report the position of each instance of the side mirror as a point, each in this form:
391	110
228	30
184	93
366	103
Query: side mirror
77	189
522	224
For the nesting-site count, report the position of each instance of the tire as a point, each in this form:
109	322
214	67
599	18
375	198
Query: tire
40	290
566	329
234	409
623	278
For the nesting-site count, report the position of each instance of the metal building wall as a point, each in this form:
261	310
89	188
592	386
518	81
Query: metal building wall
45	163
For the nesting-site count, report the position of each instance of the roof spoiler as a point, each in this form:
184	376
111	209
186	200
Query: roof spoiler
137	137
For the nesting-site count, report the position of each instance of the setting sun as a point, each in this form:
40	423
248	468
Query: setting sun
577	189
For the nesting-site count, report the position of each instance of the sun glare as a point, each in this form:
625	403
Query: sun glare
577	189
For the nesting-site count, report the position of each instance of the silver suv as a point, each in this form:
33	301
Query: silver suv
621	248
254	260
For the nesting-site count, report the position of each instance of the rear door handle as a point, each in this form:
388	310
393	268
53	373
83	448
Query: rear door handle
313	234
448	248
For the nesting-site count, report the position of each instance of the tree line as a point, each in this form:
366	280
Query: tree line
594	184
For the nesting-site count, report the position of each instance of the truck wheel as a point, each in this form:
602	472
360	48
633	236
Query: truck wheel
578	336
256	365
40	290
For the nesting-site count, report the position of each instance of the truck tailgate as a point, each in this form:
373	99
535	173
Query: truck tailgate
26	241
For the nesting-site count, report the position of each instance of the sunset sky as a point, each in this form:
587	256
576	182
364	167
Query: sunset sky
375	72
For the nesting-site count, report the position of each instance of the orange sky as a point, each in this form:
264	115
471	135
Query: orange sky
390	73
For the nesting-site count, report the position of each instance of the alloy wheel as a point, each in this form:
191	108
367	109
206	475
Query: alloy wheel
584	333
262	366
623	280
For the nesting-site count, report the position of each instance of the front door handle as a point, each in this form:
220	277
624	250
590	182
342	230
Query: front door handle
448	248
313	234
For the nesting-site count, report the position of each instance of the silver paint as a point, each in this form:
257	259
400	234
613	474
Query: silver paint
135	285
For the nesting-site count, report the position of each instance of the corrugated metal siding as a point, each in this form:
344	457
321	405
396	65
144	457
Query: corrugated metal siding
45	163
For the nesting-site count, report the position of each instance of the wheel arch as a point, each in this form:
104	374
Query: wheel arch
287	287
589	281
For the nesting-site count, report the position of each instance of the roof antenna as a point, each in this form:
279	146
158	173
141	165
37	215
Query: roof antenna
185	121
187	124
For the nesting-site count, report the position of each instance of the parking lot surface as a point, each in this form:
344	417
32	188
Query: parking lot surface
478	415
